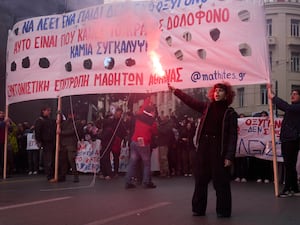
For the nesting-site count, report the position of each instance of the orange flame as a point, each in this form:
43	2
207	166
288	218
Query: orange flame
156	65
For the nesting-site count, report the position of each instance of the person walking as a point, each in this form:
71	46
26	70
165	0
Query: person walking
216	139
290	138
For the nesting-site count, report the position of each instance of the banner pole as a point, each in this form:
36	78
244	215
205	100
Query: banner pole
5	144
58	120
275	168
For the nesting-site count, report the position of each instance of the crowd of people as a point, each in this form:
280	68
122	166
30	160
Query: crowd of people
187	147
174	141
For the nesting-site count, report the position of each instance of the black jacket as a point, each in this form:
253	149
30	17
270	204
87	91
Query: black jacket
45	130
68	134
229	124
290	127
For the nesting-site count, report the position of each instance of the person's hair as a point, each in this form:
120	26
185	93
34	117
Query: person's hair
119	109
26	125
149	109
296	90
229	93
44	107
264	113
71	112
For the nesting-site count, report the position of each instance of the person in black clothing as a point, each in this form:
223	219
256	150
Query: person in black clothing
119	128
216	139
112	134
186	138
45	135
290	138
70	133
164	137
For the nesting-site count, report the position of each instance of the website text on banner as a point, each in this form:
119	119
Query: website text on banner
198	43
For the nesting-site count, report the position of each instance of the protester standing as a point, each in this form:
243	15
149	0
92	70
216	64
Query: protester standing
45	135
32	150
70	134
163	141
289	137
145	129
216	139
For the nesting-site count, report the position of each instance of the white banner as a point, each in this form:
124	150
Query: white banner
109	48
254	138
31	142
88	156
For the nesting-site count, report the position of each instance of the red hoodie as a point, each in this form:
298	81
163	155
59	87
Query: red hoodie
145	125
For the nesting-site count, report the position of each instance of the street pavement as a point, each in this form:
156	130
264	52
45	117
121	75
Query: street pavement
31	200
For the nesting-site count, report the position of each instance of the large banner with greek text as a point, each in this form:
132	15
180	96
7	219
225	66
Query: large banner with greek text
88	156
254	138
137	47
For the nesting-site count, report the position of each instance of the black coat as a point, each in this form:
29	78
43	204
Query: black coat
229	125
45	130
290	127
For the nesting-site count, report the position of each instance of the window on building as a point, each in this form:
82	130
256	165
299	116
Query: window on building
295	24
294	86
269	27
264	94
241	93
295	61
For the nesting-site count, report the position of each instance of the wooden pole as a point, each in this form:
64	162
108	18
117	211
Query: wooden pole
5	144
58	120
275	168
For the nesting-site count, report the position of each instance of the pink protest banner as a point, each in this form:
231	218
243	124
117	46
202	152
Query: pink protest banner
109	48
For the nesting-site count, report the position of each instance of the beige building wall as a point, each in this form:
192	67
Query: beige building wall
282	43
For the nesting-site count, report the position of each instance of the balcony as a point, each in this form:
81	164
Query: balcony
293	41
271	40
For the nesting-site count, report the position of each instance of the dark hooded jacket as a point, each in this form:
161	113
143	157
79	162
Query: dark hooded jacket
229	124
290	127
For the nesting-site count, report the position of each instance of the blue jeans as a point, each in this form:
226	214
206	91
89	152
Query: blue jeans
139	153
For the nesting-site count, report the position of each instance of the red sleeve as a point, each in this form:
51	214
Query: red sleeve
154	128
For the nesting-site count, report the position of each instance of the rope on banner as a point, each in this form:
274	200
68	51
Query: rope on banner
111	139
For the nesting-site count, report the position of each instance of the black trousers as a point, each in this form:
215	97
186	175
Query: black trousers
105	164
67	156
33	160
116	159
209	165
290	152
49	159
